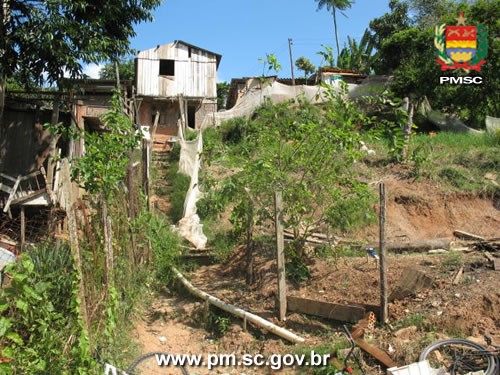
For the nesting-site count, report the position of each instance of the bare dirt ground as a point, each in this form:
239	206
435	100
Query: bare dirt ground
415	211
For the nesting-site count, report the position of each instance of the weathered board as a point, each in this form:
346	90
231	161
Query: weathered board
334	311
376	353
410	283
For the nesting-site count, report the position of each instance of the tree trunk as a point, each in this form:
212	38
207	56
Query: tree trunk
336	33
407	130
108	244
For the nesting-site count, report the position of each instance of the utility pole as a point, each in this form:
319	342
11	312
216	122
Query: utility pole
291	59
383	265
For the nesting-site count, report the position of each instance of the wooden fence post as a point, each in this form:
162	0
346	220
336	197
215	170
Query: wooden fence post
68	202
280	256
51	162
108	243
23	228
249	250
383	265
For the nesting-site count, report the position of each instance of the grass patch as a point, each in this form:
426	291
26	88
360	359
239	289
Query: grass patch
333	346
459	161
451	261
177	190
221	241
418	320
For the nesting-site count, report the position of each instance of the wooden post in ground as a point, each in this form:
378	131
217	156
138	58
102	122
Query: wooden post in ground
280	249
383	265
145	170
249	249
132	212
108	243
51	163
68	201
23	228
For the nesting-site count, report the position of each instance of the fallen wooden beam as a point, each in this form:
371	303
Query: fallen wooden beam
467	236
376	353
308	239
410	283
334	311
246	316
416	246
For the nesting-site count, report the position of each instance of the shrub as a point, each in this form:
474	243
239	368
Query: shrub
165	246
40	330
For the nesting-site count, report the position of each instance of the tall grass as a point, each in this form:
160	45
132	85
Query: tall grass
458	161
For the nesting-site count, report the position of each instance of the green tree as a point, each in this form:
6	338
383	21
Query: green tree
42	41
360	56
409	55
327	55
222	92
305	65
333	6
126	70
384	27
271	63
304	153
427	13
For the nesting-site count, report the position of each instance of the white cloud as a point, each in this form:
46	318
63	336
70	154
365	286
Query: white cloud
92	70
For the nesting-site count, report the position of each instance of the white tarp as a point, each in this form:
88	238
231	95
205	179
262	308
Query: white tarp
418	368
256	93
189	226
448	123
492	124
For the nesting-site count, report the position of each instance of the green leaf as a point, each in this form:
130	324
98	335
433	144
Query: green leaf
6	368
8	352
13	336
22	305
5	325
4	307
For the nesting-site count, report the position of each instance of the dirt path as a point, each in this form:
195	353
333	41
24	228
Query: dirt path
174	325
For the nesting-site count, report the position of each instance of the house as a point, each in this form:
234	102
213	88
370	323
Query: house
176	79
29	177
330	75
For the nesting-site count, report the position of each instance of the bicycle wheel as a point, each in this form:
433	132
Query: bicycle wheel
148	365
459	357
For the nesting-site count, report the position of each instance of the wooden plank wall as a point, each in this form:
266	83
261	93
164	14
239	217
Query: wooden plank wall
195	76
23	141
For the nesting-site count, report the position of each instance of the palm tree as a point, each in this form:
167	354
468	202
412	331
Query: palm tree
332	6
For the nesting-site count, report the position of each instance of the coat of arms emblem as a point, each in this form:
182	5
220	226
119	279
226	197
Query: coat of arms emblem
461	46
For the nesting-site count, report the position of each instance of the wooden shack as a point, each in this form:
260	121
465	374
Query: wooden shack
172	75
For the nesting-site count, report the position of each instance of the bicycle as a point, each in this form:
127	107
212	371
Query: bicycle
347	369
460	357
146	364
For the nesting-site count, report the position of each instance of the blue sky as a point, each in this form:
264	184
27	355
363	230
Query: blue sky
244	31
